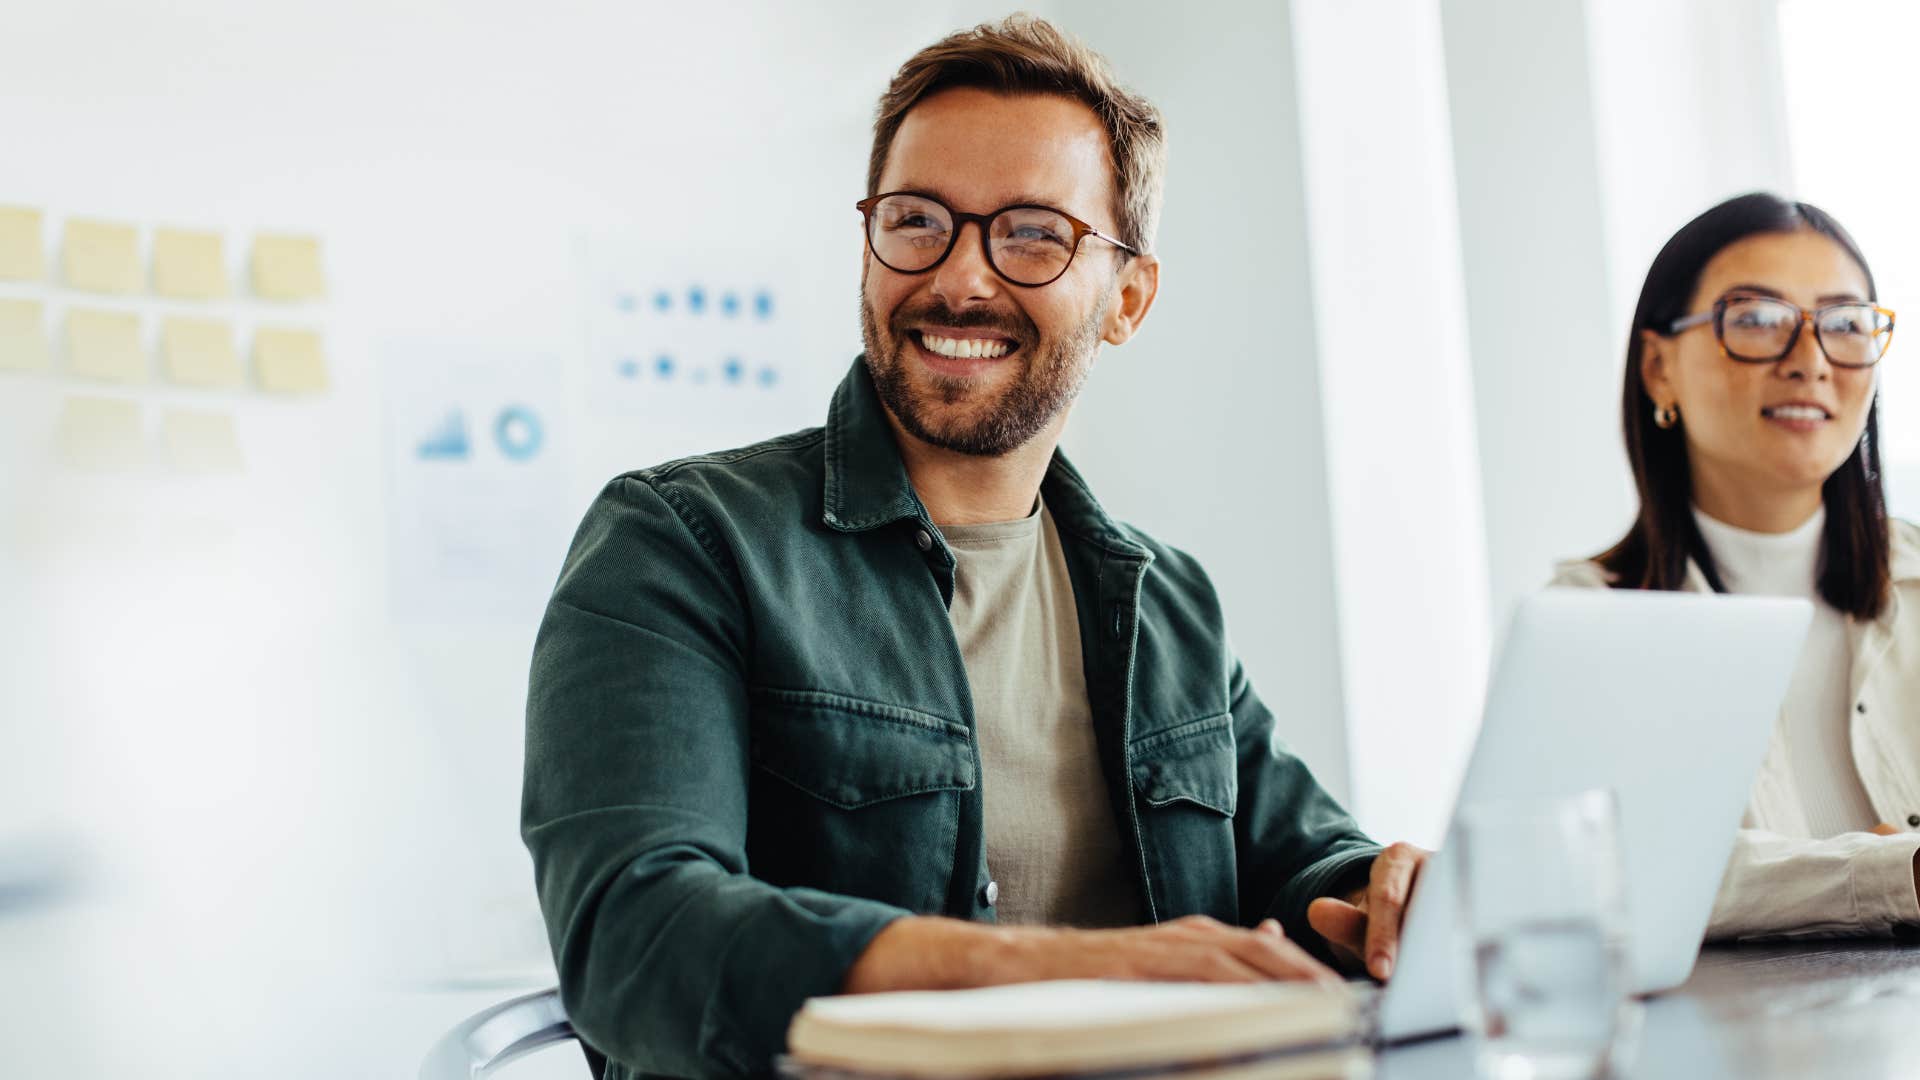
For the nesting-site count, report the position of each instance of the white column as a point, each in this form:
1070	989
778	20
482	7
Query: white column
1397	391
1689	109
1543	335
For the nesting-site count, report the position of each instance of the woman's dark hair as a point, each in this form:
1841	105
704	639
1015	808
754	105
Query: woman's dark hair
1854	556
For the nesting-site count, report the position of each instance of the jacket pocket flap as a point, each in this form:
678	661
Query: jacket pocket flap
850	753
1194	762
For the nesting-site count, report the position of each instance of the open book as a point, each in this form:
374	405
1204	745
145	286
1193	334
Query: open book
1083	1029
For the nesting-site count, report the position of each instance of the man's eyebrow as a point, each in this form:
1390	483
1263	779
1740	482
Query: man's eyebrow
932	191
1035	200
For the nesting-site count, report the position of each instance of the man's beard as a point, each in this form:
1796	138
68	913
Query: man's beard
1047	384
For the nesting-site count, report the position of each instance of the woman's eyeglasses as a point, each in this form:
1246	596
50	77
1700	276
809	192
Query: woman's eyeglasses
1764	329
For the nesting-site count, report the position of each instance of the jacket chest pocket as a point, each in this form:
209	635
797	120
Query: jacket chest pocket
856	797
1187	783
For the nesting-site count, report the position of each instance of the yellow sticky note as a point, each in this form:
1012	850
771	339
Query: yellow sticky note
189	265
199	441
23	336
287	268
23	255
289	361
99	433
100	256
199	352
105	345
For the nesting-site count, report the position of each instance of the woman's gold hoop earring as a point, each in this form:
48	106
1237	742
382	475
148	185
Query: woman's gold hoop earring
1665	417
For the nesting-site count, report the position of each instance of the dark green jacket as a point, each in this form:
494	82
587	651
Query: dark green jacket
750	741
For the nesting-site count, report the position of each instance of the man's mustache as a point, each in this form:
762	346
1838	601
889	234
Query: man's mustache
1021	330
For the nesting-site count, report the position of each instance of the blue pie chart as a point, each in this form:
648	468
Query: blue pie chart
518	432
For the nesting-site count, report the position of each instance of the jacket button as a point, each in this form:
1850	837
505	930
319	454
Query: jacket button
1860	708
990	894
924	539
1914	820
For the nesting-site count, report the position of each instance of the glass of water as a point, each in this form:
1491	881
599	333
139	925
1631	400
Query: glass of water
1542	908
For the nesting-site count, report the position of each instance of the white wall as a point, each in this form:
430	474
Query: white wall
1539	302
290	805
1207	429
1390	307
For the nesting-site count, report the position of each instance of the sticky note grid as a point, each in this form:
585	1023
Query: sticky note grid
155	332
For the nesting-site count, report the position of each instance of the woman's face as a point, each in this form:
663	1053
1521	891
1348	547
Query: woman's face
1754	430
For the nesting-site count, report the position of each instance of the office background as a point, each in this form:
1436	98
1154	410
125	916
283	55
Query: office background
260	704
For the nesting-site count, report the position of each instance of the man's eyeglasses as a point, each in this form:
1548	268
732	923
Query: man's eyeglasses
1027	245
1764	329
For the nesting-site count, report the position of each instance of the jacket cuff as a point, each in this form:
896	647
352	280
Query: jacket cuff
1334	876
1884	885
769	971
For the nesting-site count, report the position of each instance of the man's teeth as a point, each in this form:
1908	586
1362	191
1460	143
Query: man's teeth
1797	412
966	348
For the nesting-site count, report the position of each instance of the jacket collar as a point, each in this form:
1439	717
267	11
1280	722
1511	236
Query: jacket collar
867	484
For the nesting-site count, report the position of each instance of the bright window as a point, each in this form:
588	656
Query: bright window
1852	98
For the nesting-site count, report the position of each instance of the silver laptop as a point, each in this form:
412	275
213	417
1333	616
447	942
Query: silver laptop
1667	698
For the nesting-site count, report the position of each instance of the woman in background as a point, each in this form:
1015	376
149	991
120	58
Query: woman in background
1752	426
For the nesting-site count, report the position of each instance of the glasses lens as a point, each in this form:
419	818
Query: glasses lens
1756	328
909	233
1854	335
1031	246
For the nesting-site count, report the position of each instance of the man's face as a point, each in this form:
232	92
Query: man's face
977	152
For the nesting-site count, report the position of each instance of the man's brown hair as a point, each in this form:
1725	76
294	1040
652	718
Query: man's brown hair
1022	54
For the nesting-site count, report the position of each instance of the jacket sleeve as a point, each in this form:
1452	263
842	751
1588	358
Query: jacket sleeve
1295	842
672	958
1851	885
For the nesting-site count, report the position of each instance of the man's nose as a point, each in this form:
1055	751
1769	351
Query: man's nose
966	277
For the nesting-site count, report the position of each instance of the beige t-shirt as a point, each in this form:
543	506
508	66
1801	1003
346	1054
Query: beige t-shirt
1053	845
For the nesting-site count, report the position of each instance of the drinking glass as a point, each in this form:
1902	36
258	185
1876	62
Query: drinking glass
1543	913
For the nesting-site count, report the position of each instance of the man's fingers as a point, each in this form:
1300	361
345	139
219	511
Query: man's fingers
1884	829
1393	874
1277	958
1211	960
1339	922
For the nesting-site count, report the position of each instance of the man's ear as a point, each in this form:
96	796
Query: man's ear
1139	284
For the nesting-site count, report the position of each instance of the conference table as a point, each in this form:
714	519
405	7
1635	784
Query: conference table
1814	1009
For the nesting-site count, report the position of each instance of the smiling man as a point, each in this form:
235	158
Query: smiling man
893	703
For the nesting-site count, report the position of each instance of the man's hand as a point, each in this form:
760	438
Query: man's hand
926	953
1364	929
1191	949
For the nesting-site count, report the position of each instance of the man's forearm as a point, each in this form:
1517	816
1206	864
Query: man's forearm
924	952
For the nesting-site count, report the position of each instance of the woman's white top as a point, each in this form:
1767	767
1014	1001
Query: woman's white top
1817	715
1800	867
